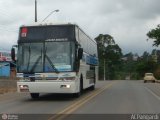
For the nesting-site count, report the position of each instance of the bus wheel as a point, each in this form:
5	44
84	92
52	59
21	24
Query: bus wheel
77	95
34	95
92	87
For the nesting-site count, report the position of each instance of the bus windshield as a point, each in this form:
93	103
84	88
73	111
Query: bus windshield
45	57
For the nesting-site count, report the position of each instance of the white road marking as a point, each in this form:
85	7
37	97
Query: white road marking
155	95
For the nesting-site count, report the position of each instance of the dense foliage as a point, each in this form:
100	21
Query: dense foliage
109	56
117	66
155	35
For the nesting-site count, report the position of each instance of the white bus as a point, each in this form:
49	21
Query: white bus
57	58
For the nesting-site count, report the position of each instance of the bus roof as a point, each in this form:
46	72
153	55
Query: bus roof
47	24
55	23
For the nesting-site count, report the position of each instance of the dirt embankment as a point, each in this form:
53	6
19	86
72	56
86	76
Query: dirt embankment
7	85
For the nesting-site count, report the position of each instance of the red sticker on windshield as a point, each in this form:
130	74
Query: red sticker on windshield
24	32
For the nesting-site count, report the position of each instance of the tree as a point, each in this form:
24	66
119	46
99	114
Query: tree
145	56
146	66
102	42
113	55
129	65
109	52
155	34
105	40
129	56
114	52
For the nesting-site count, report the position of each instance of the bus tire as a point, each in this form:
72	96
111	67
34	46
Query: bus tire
34	95
92	87
77	95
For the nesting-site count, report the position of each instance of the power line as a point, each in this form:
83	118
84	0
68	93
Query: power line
4	12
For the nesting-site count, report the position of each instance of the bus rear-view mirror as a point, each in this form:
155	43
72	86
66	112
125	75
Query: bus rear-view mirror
80	53
13	54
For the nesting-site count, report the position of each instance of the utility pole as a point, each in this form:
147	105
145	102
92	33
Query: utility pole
104	66
104	70
35	10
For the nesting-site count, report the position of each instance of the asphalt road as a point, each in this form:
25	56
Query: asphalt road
116	99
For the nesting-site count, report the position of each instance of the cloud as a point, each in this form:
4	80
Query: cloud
127	21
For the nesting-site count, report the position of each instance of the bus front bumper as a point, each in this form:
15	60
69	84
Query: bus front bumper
47	87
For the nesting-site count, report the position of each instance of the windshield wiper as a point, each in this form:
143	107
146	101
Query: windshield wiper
29	50
35	64
49	60
37	61
52	64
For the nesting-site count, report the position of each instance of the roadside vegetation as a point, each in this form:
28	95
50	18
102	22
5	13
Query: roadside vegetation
119	66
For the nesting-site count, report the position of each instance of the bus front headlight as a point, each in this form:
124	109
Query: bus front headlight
24	88
65	86
68	86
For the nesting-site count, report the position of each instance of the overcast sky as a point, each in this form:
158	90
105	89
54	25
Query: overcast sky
127	21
